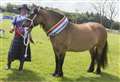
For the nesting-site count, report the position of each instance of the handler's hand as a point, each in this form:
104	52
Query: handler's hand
11	31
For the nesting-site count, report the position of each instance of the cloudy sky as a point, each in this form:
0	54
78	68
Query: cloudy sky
66	5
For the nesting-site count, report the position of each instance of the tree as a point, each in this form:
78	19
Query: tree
100	9
106	8
112	11
9	7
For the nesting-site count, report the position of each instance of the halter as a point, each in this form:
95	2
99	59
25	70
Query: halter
31	20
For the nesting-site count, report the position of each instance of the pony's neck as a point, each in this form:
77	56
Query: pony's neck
51	18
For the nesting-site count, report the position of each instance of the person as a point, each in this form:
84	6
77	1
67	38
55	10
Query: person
17	48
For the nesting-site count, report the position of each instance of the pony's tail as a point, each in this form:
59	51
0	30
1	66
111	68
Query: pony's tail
104	58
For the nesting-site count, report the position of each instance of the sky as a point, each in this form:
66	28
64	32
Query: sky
66	5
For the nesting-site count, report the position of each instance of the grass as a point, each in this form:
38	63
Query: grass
42	65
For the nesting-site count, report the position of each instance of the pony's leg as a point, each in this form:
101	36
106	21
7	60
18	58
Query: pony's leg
93	55
56	66
59	58
98	59
21	65
98	70
60	64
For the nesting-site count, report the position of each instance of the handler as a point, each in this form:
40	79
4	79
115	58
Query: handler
17	49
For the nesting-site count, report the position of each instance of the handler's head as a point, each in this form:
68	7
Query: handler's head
24	10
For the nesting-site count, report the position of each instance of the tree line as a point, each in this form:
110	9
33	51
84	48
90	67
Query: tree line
73	17
93	17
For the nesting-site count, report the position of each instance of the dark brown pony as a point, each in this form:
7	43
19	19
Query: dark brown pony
75	37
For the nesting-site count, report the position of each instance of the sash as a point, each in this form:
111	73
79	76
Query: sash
57	28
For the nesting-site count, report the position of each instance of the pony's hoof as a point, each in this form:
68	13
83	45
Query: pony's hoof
57	75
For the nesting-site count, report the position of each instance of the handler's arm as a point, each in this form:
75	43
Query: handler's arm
13	26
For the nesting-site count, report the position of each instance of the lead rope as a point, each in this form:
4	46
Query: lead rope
26	37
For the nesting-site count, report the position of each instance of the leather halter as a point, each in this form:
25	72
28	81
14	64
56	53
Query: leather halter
31	20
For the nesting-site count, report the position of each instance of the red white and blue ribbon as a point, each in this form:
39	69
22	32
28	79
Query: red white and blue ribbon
57	28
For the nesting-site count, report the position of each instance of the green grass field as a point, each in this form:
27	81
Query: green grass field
42	65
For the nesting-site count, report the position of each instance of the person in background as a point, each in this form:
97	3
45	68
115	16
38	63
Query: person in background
17	48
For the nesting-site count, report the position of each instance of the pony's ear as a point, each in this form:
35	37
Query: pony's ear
35	10
41	8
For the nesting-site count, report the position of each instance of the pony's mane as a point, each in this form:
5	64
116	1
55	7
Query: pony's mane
53	15
56	13
55	10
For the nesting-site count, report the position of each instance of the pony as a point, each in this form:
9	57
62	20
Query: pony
73	37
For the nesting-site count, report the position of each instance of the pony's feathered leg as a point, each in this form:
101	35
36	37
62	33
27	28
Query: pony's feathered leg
101	57
59	58
93	57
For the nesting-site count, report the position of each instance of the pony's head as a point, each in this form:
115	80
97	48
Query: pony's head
45	17
35	18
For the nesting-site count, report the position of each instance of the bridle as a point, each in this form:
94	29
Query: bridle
32	20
